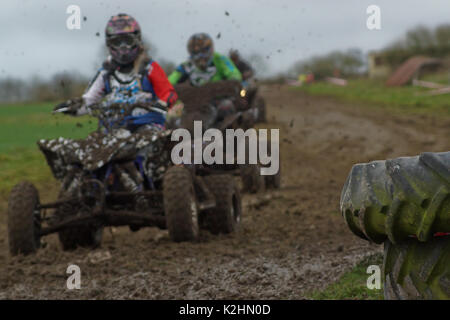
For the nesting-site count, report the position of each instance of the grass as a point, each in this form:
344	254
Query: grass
353	284
406	99
440	77
21	126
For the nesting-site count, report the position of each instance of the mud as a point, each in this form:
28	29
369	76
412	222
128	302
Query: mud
291	242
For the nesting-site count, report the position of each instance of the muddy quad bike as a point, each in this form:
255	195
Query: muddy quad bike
405	204
255	102
222	105
115	177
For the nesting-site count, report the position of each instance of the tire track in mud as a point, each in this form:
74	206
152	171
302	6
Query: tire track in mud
289	244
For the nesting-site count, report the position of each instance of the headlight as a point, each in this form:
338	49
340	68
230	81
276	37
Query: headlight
243	93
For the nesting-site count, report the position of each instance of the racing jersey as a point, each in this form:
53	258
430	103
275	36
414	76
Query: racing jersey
117	87
220	68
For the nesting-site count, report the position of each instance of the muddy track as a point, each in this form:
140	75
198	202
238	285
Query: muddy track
293	242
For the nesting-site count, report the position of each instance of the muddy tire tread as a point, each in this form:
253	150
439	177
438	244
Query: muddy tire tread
416	270
386	192
252	180
226	192
178	190
23	200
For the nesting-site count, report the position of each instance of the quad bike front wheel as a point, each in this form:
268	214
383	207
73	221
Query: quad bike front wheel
23	219
226	216
417	270
180	204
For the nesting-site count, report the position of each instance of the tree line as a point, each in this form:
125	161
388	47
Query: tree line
421	40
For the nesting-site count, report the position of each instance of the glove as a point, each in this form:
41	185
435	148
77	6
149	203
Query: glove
160	106
69	107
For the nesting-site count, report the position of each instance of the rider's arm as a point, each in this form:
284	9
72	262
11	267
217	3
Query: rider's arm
178	75
93	94
163	88
246	70
227	68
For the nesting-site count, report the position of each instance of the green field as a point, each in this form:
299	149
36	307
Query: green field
21	126
406	99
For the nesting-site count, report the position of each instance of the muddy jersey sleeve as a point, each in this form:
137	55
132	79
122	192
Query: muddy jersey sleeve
161	85
94	93
226	68
178	75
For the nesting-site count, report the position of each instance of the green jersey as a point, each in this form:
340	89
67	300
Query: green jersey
220	68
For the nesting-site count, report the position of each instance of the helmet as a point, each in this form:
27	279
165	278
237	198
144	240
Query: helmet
201	48
234	54
123	38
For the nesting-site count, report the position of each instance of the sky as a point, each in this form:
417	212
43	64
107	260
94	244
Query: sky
36	41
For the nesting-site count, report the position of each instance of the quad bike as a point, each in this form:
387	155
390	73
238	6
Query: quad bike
405	204
224	105
116	177
255	102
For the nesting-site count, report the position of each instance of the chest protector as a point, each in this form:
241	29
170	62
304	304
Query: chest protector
199	77
130	87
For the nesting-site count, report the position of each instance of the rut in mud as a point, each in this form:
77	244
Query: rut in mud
291	242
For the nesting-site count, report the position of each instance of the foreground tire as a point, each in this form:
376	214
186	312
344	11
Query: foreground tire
398	198
226	216
80	236
252	180
415	270
23	219
180	205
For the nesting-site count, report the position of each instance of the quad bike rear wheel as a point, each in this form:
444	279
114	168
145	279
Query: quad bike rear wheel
416	270
252	180
180	204
273	181
23	219
261	106
226	216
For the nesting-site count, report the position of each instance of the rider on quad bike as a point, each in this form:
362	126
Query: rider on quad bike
204	65
127	77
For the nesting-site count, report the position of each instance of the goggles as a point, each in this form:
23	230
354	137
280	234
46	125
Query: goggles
201	55
122	40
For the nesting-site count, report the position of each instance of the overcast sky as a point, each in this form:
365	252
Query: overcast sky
35	39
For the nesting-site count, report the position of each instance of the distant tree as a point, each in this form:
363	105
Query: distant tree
419	41
13	90
41	90
345	63
442	38
66	85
